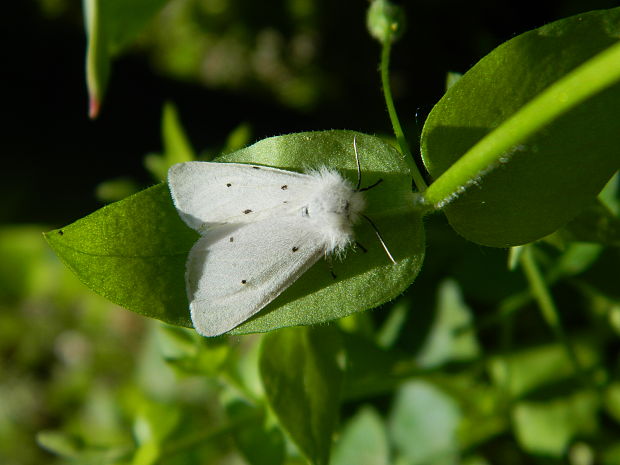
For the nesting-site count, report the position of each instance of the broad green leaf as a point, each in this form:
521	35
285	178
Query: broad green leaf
110	26
548	427
302	382
423	424
133	252
363	441
528	136
445	342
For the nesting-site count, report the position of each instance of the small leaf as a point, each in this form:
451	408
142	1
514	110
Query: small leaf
444	342
177	148
548	427
60	443
363	442
529	136
302	382
423	424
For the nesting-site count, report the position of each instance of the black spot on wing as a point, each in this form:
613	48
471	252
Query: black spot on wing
284	187
295	249
228	184
247	211
243	281
231	239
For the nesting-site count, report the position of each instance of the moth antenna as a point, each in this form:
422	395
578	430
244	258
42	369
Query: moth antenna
359	168
359	171
371	186
387	251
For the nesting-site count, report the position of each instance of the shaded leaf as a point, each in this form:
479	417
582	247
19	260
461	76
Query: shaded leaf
529	114
446	340
302	382
423	424
363	441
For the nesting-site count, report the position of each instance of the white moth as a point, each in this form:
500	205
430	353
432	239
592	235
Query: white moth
261	228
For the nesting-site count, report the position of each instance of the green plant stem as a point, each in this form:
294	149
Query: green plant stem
547	307
591	77
398	130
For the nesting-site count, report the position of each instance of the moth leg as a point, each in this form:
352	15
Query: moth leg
330	266
361	247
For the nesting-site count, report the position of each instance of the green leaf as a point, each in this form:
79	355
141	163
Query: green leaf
110	26
260	443
423	424
363	441
133	252
595	223
177	148
520	373
60	443
444	342
528	136
548	427
302	382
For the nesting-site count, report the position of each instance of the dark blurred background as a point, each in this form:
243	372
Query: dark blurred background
279	65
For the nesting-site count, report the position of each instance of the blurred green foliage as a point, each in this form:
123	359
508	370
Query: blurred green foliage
461	369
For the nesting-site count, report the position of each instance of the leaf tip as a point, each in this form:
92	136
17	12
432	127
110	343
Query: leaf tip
94	105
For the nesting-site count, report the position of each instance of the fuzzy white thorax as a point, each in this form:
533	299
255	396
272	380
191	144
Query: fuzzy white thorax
333	209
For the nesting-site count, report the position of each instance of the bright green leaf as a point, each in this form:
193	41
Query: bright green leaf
133	252
548	427
363	441
177	147
302	381
423	424
536	133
